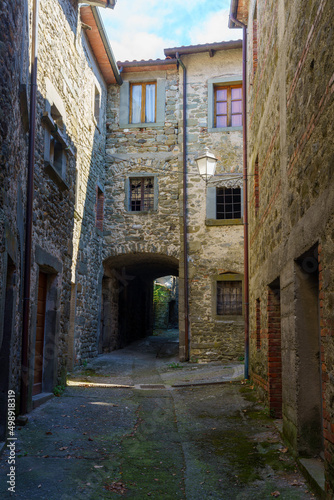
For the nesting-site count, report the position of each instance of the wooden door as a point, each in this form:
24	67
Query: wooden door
40	330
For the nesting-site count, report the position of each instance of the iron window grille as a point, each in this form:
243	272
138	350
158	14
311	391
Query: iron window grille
228	203
141	194
229	298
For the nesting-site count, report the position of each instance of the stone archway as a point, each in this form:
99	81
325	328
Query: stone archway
127	296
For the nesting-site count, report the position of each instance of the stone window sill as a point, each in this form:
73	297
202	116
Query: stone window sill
224	129
141	125
146	212
55	176
223	222
237	319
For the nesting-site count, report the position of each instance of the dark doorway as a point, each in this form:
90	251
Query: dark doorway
309	395
127	290
5	344
40	333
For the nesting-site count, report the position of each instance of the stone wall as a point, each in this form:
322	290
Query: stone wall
214	249
68	67
13	153
135	150
66	244
290	109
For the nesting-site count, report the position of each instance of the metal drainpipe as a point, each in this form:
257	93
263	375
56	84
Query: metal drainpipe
185	228
29	209
245	190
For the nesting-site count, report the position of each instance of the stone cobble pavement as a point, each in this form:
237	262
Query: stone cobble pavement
137	423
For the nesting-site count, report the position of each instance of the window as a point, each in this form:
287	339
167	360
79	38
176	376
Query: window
228	203
229	298
99	208
55	143
97	105
155	87
143	102
228	106
223	205
142	194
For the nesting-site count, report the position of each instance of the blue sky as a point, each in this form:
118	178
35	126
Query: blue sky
141	29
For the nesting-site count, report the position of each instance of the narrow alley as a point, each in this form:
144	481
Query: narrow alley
137	423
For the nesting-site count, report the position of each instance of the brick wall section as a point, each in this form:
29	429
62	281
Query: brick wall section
274	355
256	186
254	45
258	324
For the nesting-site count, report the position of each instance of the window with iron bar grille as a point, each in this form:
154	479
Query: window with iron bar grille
228	203
229	298
141	194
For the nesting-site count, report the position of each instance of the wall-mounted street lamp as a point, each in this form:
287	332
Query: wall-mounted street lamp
206	164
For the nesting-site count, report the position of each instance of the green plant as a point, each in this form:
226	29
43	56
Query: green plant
58	390
174	366
160	293
84	363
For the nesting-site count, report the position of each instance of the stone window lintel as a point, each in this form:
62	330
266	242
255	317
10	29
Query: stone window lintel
56	133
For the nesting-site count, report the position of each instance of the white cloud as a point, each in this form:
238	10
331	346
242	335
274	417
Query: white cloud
215	29
139	46
141	31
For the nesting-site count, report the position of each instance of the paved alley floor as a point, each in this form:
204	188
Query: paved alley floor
136	423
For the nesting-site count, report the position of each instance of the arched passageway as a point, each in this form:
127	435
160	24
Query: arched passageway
127	296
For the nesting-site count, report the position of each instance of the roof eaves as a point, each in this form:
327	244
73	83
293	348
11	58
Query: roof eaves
150	62
208	47
106	44
107	4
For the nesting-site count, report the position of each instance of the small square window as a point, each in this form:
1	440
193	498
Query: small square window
141	194
228	203
228	106
143	102
229	298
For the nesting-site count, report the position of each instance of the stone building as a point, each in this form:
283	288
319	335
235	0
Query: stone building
290	83
91	204
74	66
144	222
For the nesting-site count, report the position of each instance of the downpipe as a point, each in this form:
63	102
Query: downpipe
184	213
245	190
29	210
